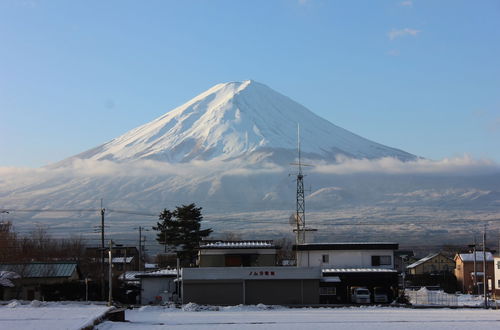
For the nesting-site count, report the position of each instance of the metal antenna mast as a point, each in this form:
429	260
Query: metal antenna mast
301	202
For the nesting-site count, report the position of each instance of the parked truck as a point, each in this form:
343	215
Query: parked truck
360	295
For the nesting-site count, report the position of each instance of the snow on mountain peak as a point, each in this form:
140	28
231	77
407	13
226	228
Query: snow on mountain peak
234	119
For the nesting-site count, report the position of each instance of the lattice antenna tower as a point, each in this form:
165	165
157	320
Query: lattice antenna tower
300	214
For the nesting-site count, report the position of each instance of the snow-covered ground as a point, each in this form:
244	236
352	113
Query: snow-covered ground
263	317
49	315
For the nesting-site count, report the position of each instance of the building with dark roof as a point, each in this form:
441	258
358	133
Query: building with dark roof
33	276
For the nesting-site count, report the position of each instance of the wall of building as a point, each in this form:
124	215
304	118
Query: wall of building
464	270
227	292
251	285
282	292
343	258
497	275
436	264
251	292
153	287
254	260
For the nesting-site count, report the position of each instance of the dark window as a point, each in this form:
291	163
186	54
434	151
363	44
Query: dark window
381	260
331	291
325	258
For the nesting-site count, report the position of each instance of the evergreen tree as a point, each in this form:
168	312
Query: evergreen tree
180	230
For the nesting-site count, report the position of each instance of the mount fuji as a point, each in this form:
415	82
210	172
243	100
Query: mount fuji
234	120
229	150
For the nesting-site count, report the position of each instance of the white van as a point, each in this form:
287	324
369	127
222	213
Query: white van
360	295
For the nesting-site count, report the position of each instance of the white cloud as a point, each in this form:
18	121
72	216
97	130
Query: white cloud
458	165
208	170
393	34
142	168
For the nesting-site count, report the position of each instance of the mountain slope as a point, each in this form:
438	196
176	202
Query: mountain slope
234	120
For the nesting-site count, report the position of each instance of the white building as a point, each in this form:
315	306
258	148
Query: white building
497	274
346	255
348	265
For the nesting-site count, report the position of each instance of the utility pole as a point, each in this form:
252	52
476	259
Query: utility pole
110	274
140	248
140	245
475	290
485	279
103	273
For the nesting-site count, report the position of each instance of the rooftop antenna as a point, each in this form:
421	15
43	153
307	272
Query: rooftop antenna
300	211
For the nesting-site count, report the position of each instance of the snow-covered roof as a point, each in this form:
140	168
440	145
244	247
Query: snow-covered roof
347	246
120	260
130	275
479	256
358	270
331	279
237	244
424	259
41	269
159	273
150	266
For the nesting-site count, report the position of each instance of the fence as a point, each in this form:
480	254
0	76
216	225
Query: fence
431	298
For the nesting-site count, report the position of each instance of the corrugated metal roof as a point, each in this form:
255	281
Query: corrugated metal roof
347	246
359	270
424	259
479	256
236	244
159	273
38	269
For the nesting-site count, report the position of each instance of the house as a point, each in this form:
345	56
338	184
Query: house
158	287
125	258
345	255
36	278
432	264
352	264
465	272
237	253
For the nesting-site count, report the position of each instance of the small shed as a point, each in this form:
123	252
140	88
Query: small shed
158	287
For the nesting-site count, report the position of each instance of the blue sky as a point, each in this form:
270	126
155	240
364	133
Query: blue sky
422	76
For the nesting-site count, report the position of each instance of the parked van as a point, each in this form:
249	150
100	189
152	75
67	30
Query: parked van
360	295
380	295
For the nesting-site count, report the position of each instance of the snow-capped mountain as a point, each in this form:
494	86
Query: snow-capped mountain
238	119
229	150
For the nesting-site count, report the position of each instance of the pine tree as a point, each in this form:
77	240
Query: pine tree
180	230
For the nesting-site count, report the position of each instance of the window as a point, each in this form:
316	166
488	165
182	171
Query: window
381	261
325	258
498	264
328	291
